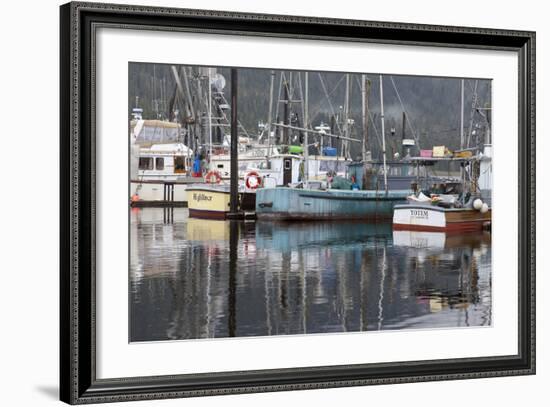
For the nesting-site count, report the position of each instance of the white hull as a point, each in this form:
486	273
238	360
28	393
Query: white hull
419	216
433	218
154	192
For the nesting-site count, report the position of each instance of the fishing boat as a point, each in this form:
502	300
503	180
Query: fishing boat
453	206
208	201
159	163
212	201
434	218
338	197
318	204
276	171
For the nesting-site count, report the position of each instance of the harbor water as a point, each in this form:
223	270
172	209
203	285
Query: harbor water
193	278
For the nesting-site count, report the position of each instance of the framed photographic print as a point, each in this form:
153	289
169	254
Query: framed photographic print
255	203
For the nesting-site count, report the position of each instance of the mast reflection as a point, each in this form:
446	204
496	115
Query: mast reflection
194	279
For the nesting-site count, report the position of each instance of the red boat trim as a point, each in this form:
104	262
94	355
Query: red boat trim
203	214
454	226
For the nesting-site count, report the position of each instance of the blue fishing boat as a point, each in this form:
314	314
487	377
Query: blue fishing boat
329	204
355	196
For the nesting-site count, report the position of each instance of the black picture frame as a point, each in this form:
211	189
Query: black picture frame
78	382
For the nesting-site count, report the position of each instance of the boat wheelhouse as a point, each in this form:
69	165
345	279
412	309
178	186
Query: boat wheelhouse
454	206
159	164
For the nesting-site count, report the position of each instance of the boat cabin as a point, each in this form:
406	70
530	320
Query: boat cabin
161	162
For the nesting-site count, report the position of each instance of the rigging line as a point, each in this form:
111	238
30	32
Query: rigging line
470	85
315	111
373	122
377	134
279	96
302	99
472	112
408	120
328	100
222	96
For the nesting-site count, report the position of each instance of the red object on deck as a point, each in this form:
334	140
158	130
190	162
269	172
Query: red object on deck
426	153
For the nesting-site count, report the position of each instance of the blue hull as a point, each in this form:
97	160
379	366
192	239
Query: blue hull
304	204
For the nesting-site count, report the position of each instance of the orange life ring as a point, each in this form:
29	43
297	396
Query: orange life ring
253	180
213	177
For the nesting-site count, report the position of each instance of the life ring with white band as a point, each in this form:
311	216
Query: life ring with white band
253	180
213	177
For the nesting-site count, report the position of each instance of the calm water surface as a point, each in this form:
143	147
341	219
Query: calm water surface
192	278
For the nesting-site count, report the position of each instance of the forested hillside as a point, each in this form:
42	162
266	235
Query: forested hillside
432	104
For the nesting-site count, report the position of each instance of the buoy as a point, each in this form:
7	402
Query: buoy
253	180
484	208
478	203
213	177
135	198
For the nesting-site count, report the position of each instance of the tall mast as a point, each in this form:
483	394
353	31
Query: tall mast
462	114
306	125
286	113
488	128
346	115
472	113
209	116
234	184
365	115
404	123
383	133
270	112
155	101
185	96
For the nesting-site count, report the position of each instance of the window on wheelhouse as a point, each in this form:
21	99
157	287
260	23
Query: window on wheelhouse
145	163
159	163
179	164
288	163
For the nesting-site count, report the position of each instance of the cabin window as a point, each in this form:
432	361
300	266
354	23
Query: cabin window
145	163
179	164
159	163
287	164
220	165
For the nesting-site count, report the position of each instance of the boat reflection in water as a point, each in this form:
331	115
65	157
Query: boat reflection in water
194	278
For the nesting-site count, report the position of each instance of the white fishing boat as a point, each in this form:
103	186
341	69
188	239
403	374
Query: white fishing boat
211	200
434	218
159	164
454	207
282	170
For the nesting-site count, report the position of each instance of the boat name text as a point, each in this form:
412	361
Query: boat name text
201	197
419	213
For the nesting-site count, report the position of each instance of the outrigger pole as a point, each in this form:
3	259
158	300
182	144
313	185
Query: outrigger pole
321	133
383	134
306	125
270	113
365	113
234	182
462	114
209	117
